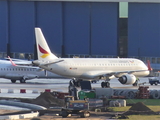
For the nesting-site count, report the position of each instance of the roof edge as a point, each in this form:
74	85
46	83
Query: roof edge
137	1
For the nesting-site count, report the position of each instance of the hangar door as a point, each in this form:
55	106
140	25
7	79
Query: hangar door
3	27
21	26
144	29
90	28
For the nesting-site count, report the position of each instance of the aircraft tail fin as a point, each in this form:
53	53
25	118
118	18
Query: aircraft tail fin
12	61
149	65
43	50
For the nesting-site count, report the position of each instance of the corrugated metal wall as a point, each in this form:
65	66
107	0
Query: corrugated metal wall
104	28
144	29
21	23
81	27
48	17
3	25
76	20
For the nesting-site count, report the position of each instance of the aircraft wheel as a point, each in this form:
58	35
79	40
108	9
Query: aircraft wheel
22	81
107	84
156	83
64	114
103	84
93	81
135	84
13	81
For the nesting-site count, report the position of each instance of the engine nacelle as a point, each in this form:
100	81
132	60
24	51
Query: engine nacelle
127	79
29	76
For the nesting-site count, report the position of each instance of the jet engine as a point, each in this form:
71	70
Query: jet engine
127	79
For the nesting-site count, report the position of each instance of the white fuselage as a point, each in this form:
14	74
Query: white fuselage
9	71
90	68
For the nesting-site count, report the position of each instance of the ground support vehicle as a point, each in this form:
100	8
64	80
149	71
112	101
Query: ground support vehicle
156	79
78	107
81	113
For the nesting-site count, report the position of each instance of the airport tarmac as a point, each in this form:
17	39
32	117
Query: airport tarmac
40	85
54	85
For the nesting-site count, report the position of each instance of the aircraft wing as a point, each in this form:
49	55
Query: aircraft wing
120	73
28	63
32	67
22	66
95	74
109	74
20	62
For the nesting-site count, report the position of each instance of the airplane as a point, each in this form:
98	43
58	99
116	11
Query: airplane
125	69
14	72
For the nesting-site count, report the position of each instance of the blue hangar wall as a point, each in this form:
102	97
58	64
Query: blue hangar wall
144	29
69	27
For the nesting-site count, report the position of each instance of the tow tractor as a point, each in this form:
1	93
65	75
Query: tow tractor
78	107
156	79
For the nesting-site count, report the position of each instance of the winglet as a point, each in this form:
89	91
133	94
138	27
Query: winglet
149	65
12	61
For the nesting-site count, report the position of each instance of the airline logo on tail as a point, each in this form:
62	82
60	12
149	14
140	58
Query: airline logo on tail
43	51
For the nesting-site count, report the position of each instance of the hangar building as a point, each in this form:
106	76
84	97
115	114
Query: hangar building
87	28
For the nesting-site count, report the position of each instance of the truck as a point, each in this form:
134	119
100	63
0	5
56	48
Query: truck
76	107
155	79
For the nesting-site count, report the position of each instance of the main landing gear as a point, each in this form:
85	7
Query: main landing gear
76	83
13	81
105	84
136	83
21	81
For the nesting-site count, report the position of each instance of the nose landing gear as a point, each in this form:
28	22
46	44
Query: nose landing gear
75	82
